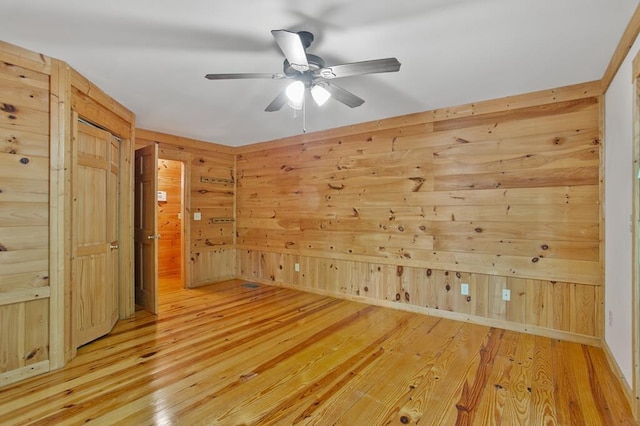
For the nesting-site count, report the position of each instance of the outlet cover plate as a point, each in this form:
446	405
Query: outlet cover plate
464	289
506	294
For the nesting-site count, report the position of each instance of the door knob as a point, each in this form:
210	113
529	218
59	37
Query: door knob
153	237
113	245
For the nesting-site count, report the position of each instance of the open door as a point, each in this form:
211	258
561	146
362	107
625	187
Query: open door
146	228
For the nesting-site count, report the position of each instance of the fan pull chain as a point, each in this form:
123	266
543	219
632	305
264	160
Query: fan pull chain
304	115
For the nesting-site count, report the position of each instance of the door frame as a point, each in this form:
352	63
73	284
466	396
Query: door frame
126	305
167	153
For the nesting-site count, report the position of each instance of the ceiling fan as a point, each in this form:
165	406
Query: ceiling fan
310	72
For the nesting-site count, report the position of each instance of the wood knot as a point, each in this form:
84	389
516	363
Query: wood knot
460	140
399	270
535	259
544	247
2	248
8	108
397	297
478	230
468	298
401	228
407	297
447	287
366	288
429	272
24	160
336	187
458	274
404	420
446	273
32	354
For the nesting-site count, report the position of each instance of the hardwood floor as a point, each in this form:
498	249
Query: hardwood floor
234	353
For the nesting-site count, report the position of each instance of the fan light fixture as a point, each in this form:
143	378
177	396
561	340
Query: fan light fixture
310	72
320	94
295	93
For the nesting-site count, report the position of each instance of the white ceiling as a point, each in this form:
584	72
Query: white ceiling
152	55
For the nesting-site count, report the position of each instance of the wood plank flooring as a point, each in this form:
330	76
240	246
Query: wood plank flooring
233	353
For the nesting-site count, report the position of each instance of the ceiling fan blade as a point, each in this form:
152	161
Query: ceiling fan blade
278	102
358	68
342	95
291	45
244	76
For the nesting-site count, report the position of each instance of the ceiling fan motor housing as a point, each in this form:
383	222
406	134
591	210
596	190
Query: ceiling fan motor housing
315	63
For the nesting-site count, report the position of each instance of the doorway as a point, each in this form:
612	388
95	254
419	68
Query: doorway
170	222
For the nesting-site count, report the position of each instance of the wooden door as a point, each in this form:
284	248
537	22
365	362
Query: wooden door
94	288
146	228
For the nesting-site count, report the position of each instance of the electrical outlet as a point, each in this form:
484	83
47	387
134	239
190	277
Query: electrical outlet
197	216
296	267
464	289
506	294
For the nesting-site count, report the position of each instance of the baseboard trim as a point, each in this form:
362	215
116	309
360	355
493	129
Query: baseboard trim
23	373
634	403
489	322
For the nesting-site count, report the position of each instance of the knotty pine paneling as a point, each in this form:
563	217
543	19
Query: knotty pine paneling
211	240
24	222
169	218
507	199
557	309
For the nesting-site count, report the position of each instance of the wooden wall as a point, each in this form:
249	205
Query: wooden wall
37	95
500	194
210	191
170	218
24	214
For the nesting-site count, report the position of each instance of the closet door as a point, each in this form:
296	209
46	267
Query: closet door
94	233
